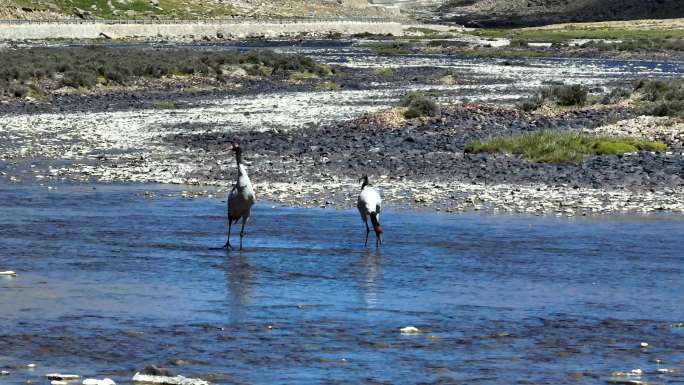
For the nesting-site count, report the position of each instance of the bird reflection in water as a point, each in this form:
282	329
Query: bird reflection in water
239	283
371	268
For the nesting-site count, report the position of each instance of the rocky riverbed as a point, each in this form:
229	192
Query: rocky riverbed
307	146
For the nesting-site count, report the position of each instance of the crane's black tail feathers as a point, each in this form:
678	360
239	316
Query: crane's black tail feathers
376	223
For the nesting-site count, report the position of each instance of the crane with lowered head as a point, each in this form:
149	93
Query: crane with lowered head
369	205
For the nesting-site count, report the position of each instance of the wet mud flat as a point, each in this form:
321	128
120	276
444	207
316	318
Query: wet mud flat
307	146
112	278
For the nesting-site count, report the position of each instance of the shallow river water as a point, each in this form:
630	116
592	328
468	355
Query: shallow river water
111	279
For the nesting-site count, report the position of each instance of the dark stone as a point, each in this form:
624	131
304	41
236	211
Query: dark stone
153	370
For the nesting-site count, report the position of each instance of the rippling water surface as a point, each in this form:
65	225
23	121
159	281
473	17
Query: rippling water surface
110	280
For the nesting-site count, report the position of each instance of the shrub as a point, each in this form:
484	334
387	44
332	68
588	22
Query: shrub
661	97
673	108
419	105
77	79
570	95
407	99
18	91
81	67
564	95
532	103
616	95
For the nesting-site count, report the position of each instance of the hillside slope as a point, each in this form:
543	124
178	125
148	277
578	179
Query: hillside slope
521	13
185	9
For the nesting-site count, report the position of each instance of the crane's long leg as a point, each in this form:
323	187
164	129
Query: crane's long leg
367	231
227	245
242	230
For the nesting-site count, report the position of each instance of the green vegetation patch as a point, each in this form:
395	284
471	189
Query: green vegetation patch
661	97
133	9
666	44
563	34
385	72
504	53
561	146
328	86
420	104
87	67
616	95
444	43
166	105
563	95
424	30
389	49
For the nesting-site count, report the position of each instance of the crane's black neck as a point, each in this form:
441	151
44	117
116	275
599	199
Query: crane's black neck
238	155
365	182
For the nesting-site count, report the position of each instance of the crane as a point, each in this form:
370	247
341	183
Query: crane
241	197
369	205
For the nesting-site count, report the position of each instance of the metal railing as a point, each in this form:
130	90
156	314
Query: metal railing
295	20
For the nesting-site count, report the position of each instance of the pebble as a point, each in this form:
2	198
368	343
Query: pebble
93	381
177	380
633	372
626	381
409	330
64	377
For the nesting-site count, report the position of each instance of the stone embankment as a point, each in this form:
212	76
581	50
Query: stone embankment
93	29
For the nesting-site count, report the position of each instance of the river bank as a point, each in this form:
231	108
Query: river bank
307	141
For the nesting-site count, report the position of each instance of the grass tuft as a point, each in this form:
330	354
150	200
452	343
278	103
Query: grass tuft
166	105
389	49
384	72
328	86
505	53
562	147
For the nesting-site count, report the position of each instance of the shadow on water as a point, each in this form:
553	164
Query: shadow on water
110	281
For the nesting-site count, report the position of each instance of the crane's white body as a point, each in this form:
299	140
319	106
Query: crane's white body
369	202
241	197
240	201
370	205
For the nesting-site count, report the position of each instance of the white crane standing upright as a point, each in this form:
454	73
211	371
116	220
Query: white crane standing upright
241	197
369	205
